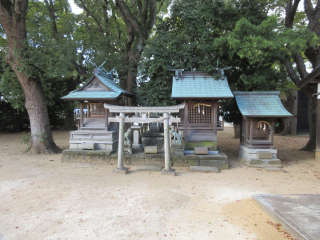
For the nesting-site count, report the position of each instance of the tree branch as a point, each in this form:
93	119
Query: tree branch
308	8
291	12
152	15
288	65
145	12
105	8
94	18
6	7
127	15
300	65
52	19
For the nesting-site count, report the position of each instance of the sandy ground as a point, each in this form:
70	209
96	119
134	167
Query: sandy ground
42	198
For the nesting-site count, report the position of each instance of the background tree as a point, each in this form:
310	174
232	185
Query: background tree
196	36
126	26
292	40
13	20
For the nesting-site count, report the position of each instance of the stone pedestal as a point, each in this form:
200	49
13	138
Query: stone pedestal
136	137
259	157
127	147
177	149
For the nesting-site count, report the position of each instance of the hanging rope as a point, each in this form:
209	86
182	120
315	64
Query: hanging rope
263	122
201	104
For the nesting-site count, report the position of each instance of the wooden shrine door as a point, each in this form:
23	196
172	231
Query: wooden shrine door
201	124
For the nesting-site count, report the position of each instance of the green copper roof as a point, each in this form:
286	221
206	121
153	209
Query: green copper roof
106	89
260	104
199	85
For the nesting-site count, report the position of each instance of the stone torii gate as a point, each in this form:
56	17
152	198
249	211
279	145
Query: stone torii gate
166	110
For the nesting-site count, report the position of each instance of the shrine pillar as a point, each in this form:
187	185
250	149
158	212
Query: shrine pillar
167	160
317	151
120	167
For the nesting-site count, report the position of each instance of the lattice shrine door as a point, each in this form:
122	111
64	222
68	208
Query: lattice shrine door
201	124
96	110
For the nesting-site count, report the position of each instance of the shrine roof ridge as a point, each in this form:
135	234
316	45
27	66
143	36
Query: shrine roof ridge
257	93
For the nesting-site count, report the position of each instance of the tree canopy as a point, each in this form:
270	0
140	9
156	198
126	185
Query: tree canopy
269	46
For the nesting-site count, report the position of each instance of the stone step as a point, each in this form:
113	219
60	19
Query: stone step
274	169
204	169
263	165
148	167
264	161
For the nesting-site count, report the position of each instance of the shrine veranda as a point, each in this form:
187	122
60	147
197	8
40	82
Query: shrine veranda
169	136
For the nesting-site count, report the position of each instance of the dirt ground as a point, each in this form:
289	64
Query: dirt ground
42	198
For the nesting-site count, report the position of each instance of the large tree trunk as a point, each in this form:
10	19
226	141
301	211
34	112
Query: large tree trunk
312	118
12	18
139	22
236	130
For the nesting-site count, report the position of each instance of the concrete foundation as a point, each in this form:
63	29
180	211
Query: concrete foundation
254	157
219	160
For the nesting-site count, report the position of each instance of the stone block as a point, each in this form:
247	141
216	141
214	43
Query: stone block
148	167
194	162
177	146
136	146
172	151
151	149
154	161
87	145
200	150
180	162
171	172
179	152
127	150
264	155
204	169
135	161
73	146
99	146
121	171
221	164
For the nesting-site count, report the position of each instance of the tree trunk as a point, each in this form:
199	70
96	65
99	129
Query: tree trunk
131	84
236	129
139	22
12	18
312	118
35	102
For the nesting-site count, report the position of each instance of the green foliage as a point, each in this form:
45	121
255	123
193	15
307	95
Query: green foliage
268	41
12	119
197	36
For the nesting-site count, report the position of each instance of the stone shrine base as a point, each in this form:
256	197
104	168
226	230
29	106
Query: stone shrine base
219	160
259	157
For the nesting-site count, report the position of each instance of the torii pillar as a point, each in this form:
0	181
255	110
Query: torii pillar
120	168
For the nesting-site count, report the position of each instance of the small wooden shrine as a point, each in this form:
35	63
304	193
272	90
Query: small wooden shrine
259	111
95	132
200	117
